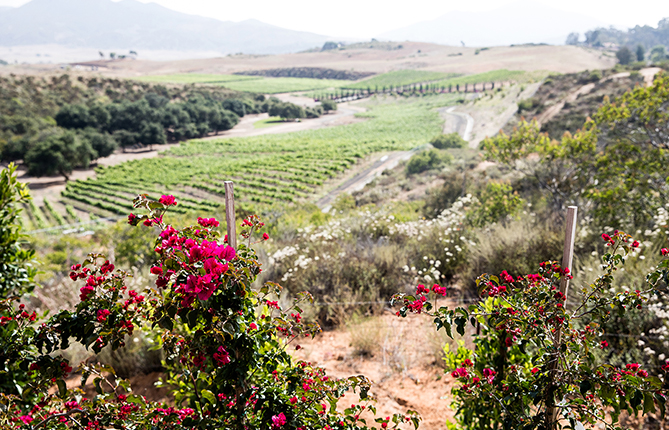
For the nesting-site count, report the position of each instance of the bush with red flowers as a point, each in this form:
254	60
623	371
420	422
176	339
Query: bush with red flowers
226	345
534	365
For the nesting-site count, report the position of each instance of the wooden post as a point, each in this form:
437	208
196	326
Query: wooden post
230	214
568	254
553	365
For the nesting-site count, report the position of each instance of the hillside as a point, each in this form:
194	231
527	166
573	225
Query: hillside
407	55
132	25
517	23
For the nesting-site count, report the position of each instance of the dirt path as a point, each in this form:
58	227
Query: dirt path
464	123
345	114
365	175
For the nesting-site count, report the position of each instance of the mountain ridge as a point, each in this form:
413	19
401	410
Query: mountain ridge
132	25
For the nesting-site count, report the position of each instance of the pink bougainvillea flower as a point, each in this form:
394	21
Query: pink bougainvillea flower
221	356
421	289
208	222
102	315
168	200
279	421
439	290
226	253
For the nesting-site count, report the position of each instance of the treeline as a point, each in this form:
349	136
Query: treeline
308	72
652	40
58	124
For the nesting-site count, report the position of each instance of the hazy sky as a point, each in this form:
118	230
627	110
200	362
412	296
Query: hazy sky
366	18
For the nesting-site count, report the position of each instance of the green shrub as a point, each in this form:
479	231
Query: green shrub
328	105
427	160
527	104
498	202
451	140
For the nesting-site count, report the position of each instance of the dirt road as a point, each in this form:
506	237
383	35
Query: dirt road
464	123
365	176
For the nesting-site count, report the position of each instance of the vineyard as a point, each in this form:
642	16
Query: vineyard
415	81
47	215
268	169
399	80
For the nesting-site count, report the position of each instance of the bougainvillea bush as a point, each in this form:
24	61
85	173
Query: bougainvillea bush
534	364
226	345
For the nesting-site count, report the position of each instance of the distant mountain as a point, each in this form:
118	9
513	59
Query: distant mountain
129	24
516	23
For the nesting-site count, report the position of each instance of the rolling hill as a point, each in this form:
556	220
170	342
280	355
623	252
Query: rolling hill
132	25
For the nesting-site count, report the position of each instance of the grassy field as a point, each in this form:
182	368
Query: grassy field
268	169
281	85
195	78
267	122
400	77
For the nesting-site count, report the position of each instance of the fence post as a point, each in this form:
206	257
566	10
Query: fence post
567	259
230	214
568	254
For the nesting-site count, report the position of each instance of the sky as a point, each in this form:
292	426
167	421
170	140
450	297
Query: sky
363	19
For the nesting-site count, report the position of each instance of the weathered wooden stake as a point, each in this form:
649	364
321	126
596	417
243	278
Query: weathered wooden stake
567	259
568	254
230	214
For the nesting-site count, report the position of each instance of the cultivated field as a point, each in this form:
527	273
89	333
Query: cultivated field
268	169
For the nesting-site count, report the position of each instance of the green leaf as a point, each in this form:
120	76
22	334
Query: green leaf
585	387
62	388
209	396
648	403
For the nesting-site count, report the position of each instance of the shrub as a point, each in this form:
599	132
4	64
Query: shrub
533	365
224	344
528	104
328	105
624	55
496	203
427	160
313	112
446	141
